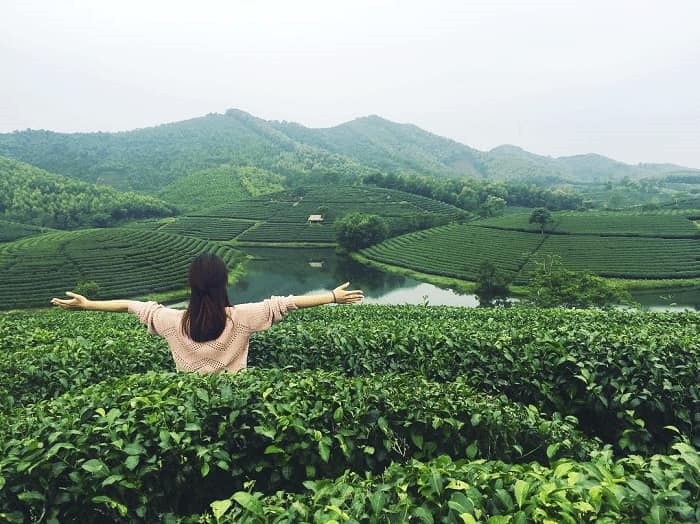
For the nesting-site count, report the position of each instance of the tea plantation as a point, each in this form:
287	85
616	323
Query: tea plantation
356	414
659	246
122	262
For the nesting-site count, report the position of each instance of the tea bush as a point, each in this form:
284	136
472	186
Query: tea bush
660	489
153	443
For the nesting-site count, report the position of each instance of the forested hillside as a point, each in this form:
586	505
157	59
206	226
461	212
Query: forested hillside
33	196
150	159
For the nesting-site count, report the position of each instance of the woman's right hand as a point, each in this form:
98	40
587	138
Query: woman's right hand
75	302
347	297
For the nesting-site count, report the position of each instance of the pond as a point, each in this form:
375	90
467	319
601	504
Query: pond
284	271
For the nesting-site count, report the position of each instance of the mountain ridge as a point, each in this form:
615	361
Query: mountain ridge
148	159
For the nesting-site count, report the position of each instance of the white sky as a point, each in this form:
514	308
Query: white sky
616	77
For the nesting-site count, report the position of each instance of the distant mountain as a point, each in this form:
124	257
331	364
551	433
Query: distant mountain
152	158
391	147
149	159
30	195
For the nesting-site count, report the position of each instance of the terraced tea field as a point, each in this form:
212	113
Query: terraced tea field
283	217
633	245
123	262
360	414
670	224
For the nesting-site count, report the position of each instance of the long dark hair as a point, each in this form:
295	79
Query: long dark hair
205	317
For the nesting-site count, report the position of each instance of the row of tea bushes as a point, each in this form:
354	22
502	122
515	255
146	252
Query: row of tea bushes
624	375
155	443
662	489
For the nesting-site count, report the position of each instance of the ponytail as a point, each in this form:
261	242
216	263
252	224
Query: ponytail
205	318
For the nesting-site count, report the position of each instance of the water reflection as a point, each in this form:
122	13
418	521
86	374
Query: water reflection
282	271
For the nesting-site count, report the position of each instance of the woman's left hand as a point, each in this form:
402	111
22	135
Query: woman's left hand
347	297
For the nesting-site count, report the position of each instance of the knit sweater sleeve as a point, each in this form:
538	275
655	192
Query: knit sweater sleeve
259	316
150	314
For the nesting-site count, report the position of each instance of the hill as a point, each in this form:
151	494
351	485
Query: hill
33	196
151	158
218	185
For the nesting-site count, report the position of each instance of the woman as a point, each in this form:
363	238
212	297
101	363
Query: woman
211	335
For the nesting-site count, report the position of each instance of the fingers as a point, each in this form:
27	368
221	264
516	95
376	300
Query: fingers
343	286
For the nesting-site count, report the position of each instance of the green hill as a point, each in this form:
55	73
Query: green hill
33	196
218	185
151	158
392	147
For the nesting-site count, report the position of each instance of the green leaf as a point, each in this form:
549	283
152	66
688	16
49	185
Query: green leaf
249	502
112	479
31	495
132	461
324	450
423	515
641	488
521	488
219	507
94	465
272	449
476	419
417	440
204	470
467	518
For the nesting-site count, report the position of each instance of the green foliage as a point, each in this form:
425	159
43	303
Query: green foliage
553	285
358	230
656	490
123	262
10	231
492	207
472	194
149	159
542	217
284	216
457	251
491	286
208	228
402	386
661	224
148	444
87	288
219	185
33	196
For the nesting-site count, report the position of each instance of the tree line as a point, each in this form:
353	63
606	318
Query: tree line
480	197
32	196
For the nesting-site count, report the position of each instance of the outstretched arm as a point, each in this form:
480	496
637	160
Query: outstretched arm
339	295
80	302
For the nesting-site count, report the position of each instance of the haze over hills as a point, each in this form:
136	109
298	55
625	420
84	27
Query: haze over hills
149	159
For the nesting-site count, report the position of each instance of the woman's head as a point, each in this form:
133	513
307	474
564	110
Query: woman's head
205	317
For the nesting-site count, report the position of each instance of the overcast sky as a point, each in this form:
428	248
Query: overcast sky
616	77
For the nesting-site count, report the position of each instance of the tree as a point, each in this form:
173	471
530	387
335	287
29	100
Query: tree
542	217
492	207
553	285
491	286
358	230
88	288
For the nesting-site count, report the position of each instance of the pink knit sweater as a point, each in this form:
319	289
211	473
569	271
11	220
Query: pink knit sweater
229	352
